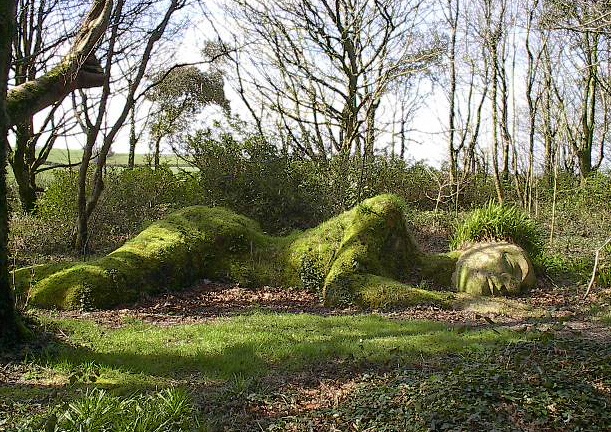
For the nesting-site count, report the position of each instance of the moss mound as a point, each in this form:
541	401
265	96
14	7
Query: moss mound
358	257
337	257
188	245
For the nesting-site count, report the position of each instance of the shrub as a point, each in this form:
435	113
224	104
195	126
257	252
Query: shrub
604	270
497	222
130	201
12	195
253	177
32	238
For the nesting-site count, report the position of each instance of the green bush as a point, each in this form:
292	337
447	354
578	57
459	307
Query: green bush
253	177
500	222
131	200
604	270
412	182
33	238
12	195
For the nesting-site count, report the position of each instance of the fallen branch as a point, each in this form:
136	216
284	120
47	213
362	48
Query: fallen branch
595	269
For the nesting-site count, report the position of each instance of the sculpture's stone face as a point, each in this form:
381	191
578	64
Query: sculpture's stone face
498	268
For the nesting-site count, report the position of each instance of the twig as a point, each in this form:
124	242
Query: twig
595	269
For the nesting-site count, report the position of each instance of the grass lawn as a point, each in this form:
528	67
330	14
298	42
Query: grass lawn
71	156
231	359
64	156
230	367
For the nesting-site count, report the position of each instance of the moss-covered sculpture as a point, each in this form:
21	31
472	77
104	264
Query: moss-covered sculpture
494	268
359	257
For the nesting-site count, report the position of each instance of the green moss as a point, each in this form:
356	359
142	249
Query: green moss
190	244
19	101
72	288
372	239
438	268
376	292
24	278
343	259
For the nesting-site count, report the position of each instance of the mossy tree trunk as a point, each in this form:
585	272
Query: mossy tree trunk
33	96
32	46
79	69
8	316
23	162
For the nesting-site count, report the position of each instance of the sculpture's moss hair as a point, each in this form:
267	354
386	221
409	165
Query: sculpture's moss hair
501	223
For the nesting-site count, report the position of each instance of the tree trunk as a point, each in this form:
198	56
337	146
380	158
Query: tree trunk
131	162
452	153
22	161
157	151
8	316
79	69
588	115
495	138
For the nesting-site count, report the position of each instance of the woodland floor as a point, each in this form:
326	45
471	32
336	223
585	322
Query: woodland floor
561	309
362	395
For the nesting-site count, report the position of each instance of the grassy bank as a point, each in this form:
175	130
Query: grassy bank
276	370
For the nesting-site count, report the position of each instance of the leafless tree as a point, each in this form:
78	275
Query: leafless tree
584	29
324	66
466	78
135	29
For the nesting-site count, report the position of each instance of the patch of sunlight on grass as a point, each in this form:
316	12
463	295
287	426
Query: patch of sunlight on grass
498	305
141	354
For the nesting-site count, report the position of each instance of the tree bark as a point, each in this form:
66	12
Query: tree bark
79	69
22	161
452	153
75	71
156	152
588	113
8	316
131	161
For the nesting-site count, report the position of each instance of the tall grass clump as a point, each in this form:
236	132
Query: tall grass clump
497	222
97	410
